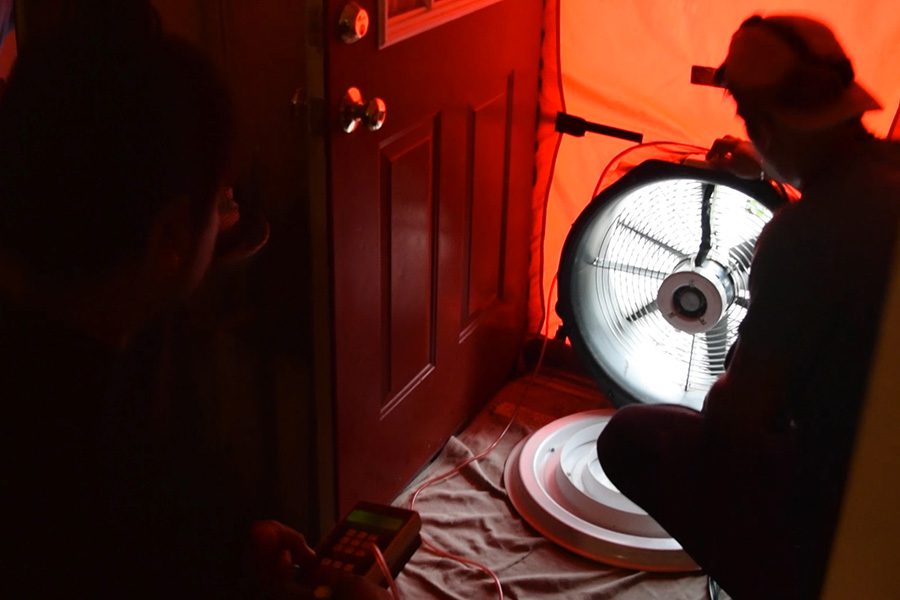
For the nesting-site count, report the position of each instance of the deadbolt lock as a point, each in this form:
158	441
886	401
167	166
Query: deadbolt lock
353	24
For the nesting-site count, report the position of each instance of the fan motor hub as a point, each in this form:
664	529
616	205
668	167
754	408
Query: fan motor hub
694	298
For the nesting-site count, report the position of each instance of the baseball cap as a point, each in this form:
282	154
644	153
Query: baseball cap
794	68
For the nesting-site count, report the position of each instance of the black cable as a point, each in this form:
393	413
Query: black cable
705	225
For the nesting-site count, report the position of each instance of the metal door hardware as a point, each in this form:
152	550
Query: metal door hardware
353	24
355	111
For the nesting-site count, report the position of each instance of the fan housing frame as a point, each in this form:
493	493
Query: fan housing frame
651	171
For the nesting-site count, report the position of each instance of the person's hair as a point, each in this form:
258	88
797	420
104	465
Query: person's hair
101	124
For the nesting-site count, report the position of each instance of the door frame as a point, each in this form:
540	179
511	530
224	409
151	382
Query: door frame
314	106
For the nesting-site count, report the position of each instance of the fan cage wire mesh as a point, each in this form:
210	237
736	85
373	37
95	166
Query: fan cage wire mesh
634	242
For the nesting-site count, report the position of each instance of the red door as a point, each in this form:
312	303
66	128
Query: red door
430	225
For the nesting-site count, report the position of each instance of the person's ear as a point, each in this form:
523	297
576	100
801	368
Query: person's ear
172	242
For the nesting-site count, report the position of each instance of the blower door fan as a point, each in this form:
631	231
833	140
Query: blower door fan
654	279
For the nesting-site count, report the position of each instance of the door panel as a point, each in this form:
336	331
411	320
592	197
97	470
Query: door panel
408	270
488	168
430	233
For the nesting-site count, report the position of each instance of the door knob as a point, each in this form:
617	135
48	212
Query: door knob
353	24
355	111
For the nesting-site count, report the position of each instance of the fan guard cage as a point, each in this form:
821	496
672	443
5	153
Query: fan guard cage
639	239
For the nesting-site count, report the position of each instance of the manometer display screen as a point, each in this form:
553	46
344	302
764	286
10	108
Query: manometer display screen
364	517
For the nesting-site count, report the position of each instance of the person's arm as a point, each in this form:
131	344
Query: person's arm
748	398
754	393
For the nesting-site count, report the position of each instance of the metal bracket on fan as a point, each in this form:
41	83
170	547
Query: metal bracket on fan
576	126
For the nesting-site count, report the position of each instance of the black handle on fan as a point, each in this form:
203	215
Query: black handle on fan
572	125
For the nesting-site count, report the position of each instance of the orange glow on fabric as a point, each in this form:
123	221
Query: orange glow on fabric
628	65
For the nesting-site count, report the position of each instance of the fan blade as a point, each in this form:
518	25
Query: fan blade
717	344
631	269
652	239
687	381
642	311
742	301
742	254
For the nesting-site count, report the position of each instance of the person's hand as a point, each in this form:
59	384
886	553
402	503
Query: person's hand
736	156
287	568
274	550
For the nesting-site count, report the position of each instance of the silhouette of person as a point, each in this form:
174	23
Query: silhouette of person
751	485
114	141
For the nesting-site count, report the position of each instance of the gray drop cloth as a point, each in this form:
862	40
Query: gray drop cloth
470	515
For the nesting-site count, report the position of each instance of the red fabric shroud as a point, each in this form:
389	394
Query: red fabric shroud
628	64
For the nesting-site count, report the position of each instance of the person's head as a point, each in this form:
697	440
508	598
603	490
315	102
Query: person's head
113	143
794	87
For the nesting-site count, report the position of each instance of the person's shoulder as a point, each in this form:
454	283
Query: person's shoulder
862	191
888	148
875	188
881	168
